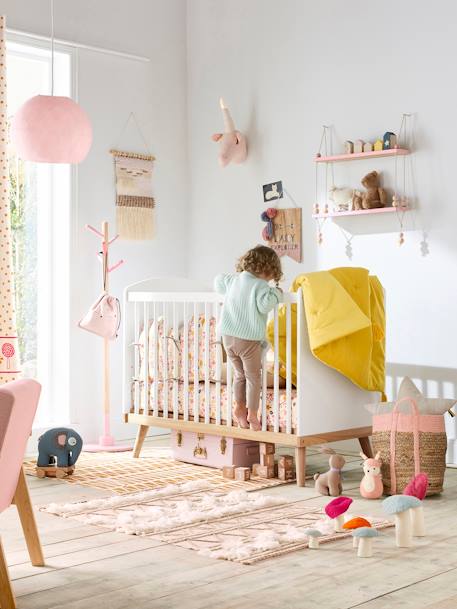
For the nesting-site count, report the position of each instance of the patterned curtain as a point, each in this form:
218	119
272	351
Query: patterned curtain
9	356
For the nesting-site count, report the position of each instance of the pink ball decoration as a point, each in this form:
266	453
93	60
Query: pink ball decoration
417	487
272	212
51	129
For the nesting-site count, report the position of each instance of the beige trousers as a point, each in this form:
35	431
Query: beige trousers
246	359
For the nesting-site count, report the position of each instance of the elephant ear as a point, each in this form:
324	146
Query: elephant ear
61	439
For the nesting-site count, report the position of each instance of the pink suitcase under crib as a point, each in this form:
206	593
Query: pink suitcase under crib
213	451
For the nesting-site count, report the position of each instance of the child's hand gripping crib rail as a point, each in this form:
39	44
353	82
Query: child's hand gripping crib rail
175	376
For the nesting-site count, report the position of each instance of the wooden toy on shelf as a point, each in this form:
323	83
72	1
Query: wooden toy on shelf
52	471
389	141
358	146
228	471
242	473
286	470
368	147
266	448
348	147
265	471
267	459
378	145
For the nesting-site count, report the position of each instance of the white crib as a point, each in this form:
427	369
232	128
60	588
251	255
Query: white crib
322	406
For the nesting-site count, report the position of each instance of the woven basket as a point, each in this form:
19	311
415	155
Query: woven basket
410	444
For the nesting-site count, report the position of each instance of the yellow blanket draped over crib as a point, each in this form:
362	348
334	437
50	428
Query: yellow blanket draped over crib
345	315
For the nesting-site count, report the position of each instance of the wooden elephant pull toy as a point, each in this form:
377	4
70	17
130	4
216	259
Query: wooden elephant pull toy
58	451
233	146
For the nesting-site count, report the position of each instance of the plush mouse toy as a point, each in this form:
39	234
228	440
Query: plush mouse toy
330	482
233	147
375	196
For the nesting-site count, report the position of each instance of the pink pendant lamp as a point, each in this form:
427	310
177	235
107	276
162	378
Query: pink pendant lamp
49	128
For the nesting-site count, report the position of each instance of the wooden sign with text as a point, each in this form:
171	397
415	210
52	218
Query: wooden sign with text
287	233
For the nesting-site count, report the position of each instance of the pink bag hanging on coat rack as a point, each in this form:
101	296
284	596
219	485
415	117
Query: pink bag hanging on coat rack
103	319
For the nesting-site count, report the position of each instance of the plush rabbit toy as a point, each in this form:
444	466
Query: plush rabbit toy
371	486
330	482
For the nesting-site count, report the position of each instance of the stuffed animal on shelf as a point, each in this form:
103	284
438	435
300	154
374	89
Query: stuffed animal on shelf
371	486
233	146
330	482
342	198
374	197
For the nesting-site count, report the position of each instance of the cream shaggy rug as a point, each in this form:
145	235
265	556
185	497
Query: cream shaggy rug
237	526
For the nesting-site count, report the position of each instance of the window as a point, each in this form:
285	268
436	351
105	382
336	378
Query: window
40	217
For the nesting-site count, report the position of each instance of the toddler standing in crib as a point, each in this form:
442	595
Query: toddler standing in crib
248	300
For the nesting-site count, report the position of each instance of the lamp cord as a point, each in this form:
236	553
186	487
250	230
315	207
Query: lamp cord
52	47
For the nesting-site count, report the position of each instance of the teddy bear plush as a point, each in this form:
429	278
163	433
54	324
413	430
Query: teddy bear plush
329	483
374	196
341	198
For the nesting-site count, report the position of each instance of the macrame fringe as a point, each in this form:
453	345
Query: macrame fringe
133	155
135	223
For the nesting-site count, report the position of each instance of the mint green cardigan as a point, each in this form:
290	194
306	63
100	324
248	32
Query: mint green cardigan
248	300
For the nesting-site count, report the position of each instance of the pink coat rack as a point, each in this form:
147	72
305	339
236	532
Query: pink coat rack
106	442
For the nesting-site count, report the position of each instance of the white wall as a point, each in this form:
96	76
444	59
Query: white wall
287	68
109	88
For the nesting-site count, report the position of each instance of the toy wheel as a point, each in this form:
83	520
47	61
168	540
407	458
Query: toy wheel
70	471
40	473
60	473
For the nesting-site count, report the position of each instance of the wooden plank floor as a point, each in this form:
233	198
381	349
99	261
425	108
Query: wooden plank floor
87	567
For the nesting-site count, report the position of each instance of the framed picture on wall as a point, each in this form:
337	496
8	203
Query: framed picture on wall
272	192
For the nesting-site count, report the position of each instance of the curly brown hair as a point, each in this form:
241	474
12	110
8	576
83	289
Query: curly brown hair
261	260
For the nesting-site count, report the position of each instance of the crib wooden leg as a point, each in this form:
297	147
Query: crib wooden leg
365	445
140	437
300	464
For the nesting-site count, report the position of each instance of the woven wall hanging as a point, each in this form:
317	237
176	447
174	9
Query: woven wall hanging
134	198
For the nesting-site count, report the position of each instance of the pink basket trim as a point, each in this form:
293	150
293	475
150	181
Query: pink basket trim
426	422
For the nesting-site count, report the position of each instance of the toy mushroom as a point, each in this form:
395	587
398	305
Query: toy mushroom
417	517
313	538
356	523
336	510
400	506
365	536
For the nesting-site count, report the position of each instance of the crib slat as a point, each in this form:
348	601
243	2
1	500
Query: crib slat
146	359
276	372
207	341
185	356
136	360
288	369
165	360
196	375
155	362
229	406
264	391
299	424
218	348
175	347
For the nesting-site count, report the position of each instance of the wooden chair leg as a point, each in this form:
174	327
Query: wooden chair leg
300	464
365	445
7	600
27	517
140	437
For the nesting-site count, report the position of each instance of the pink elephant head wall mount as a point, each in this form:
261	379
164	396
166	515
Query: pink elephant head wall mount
232	143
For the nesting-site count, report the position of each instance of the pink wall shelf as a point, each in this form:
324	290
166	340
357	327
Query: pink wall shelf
361	212
362	155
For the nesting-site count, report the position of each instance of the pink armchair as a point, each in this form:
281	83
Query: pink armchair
18	404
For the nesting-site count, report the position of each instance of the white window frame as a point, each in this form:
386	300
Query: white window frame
57	187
